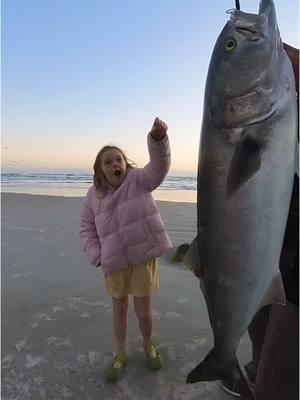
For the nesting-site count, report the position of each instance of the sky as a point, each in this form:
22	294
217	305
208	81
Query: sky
77	75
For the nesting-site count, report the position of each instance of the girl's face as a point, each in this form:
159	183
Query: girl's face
113	167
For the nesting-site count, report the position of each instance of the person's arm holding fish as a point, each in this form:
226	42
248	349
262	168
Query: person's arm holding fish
293	55
283	320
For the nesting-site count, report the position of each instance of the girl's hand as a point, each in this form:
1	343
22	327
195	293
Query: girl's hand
159	129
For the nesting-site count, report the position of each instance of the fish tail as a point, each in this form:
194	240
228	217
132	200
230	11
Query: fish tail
211	369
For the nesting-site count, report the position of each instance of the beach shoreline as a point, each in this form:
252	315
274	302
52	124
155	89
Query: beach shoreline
178	196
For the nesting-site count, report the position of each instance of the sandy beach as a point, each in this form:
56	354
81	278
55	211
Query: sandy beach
57	333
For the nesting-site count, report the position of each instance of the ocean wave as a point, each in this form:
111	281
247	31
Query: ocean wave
83	180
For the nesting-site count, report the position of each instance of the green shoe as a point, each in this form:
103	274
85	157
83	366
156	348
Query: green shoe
116	367
155	360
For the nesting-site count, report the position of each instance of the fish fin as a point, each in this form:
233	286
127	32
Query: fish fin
192	259
267	8
245	163
208	370
211	369
242	387
180	253
275	292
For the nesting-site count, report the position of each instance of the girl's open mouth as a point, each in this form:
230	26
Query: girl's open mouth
117	173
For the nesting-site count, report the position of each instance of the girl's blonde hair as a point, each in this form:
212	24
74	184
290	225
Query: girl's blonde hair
99	180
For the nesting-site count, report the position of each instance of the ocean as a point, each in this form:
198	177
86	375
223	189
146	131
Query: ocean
173	188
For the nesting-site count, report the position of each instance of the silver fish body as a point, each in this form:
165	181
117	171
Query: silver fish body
245	177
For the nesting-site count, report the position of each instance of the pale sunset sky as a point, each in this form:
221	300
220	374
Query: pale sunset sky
79	74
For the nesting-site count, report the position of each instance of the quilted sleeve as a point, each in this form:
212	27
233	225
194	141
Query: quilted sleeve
90	243
152	175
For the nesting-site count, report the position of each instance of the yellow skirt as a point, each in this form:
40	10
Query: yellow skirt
138	280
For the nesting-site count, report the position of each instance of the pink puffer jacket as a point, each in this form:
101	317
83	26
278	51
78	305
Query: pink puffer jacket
125	226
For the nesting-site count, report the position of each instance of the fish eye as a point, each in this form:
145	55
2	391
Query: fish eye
230	44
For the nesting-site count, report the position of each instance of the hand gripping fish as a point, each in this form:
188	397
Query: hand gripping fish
245	178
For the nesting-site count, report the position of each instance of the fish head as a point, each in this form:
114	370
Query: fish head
243	70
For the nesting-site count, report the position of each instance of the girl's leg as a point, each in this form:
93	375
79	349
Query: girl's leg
120	312
143	311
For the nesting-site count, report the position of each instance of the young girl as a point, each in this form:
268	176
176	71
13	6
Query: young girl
122	231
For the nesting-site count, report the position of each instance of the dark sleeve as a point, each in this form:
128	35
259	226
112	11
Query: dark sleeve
289	259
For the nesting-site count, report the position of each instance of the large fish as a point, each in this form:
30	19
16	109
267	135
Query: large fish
245	177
